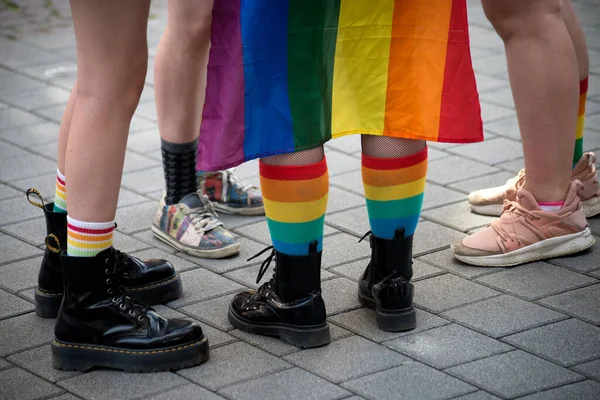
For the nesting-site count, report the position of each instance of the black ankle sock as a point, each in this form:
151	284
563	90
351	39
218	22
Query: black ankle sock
179	165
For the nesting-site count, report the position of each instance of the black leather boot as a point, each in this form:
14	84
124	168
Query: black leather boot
289	306
99	325
385	285
151	281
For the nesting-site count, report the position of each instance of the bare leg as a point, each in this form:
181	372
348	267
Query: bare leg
577	37
543	74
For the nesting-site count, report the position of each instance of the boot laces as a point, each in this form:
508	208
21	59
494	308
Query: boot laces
515	213
263	269
234	182
119	261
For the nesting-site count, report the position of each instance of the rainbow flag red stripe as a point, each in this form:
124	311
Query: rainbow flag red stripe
287	75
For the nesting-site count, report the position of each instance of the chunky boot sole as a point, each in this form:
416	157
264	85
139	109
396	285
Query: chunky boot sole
391	321
303	337
81	357
47	304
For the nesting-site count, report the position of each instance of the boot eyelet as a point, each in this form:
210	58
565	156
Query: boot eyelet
109	291
115	300
107	261
109	281
122	306
131	312
107	271
140	318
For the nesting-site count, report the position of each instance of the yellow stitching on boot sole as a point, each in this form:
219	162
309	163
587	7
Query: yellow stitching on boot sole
126	351
133	289
48	293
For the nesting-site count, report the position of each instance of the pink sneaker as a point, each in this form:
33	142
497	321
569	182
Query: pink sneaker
490	201
524	233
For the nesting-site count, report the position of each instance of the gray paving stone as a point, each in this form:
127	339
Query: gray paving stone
489	83
447	346
409	381
355	270
586	390
26	166
45	184
7	192
339	163
514	374
48	96
342	248
32	231
248	248
457	216
454	168
492	152
13	305
12	385
136	217
492	112
179	263
430	237
480	395
445	292
117	385
148	238
502	97
235	221
147	110
233	363
13	339
213	312
582	303
351	181
66	396
502	315
339	295
590	369
247	276
4	364
145	181
39	362
18	55
20	275
582	262
566	343
186	392
490	65
483	182
9	151
354	221
346	359
126	243
513	166
12	84
18	209
13	118
445	260
138	162
285	385
535	280
200	284
362	322
436	196
145	141
266	343
340	199
13	249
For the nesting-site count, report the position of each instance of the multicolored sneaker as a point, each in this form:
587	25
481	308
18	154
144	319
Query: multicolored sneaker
524	233
191	226
229	195
490	201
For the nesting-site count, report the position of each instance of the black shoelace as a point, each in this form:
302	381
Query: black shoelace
119	262
263	269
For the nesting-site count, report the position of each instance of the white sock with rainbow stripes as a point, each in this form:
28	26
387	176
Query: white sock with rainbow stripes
87	239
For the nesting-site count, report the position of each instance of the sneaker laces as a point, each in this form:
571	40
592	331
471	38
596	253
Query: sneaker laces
233	181
514	212
120	260
202	217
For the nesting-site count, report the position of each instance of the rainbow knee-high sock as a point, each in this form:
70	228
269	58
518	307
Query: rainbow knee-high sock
295	199
394	190
583	88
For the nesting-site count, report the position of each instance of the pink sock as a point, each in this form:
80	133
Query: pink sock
551	205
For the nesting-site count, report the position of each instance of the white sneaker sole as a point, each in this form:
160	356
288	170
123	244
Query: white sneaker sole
216	253
246	211
590	207
549	248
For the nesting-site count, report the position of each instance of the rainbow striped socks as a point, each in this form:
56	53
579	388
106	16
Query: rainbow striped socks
87	239
394	190
60	195
583	88
295	199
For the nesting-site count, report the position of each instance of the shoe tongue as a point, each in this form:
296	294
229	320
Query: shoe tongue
192	200
526	199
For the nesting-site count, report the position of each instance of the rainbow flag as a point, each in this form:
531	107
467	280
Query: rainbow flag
288	75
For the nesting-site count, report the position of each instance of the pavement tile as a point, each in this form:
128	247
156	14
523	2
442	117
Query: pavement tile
39	362
566	342
179	263
351	181
289	384
362	322
66	396
409	381
137	162
514	374
502	315
582	262
13	305
144	142
18	55
19	209
16	383
452	169
20	275
342	248
457	216
445	260
13	339
7	192
266	343
104	384
32	231
9	151
200	284
590	369
147	180
513	166
4	364
436	196
126	243
502	97
235	221
340	295
492	112
492	152
340	199
27	166
346	359
482	182
233	363
213	312
447	346
47	96
247	276
13	249
586	390
535	280
186	392
430	237
354	221
248	248
45	184
260	232
354	270
148	238
339	163
581	303
480	395
489	83
135	217
445	292
13	84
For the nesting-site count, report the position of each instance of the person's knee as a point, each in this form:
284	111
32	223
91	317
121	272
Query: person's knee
513	17
190	26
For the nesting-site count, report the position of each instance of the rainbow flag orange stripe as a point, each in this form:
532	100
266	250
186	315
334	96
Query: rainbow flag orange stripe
287	75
